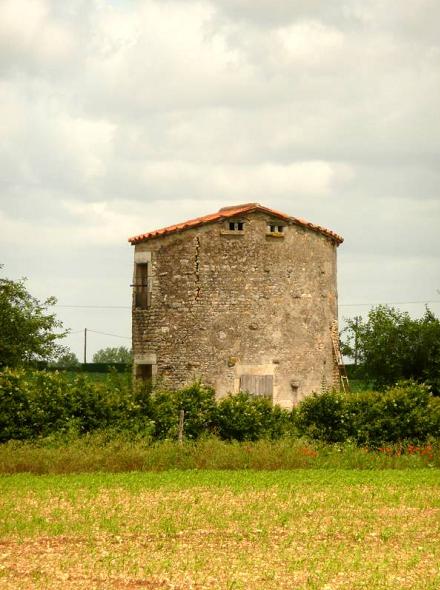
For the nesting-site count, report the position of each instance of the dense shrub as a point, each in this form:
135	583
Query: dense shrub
15	406
38	404
324	417
198	403
403	412
435	417
60	404
245	417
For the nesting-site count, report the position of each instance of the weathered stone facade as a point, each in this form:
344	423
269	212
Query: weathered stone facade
238	306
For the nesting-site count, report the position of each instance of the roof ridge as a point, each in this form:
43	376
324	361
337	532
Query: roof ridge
230	211
243	206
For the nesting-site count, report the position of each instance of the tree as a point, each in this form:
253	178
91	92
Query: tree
119	354
66	360
27	326
391	346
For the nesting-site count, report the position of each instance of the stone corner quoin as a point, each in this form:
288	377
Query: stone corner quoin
243	299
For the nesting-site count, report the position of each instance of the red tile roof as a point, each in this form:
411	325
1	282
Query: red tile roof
233	211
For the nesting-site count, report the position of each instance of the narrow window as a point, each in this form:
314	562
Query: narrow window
142	286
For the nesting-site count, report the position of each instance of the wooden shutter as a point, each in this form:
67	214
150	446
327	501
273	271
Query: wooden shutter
257	384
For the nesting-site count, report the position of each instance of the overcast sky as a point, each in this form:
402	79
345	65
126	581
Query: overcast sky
122	116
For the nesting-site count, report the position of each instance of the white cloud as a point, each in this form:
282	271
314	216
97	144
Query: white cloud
22	21
89	142
259	181
30	38
311	43
99	223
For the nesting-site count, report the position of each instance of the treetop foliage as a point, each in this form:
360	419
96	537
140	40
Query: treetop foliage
66	360
390	346
28	328
120	354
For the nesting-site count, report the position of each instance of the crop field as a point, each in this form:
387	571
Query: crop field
314	529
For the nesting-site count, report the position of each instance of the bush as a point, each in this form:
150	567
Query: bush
39	404
15	406
435	417
325	417
403	412
62	404
245	417
198	403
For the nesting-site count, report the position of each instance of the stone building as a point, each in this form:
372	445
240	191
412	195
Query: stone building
244	298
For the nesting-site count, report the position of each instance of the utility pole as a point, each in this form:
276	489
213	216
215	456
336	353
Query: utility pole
85	345
356	319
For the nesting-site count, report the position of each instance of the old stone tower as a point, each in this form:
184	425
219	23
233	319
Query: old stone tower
245	298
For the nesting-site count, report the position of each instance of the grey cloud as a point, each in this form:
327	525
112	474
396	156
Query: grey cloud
155	112
416	20
275	13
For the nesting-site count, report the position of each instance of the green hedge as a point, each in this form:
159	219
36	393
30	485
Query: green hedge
36	404
248	418
86	367
404	412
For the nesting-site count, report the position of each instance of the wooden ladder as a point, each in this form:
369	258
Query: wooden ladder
343	377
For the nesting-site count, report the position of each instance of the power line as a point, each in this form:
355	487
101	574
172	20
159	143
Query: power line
95	306
106	334
388	303
425	302
97	332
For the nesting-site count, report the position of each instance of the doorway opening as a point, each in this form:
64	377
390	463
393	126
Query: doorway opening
144	372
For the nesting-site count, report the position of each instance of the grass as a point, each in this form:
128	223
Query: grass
103	452
357	385
303	529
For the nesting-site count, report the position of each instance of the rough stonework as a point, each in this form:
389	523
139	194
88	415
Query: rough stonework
243	299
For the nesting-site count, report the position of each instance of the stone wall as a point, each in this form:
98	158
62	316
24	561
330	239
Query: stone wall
226	304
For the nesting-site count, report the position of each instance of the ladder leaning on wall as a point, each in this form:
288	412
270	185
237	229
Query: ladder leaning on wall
339	361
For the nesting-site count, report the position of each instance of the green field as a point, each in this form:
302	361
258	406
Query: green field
320	529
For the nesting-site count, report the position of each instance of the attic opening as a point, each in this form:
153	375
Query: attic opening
274	228
235	225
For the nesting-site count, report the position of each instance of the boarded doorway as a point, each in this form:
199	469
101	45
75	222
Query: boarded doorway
257	384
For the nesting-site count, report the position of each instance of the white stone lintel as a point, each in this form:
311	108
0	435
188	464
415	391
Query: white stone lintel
148	358
142	257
